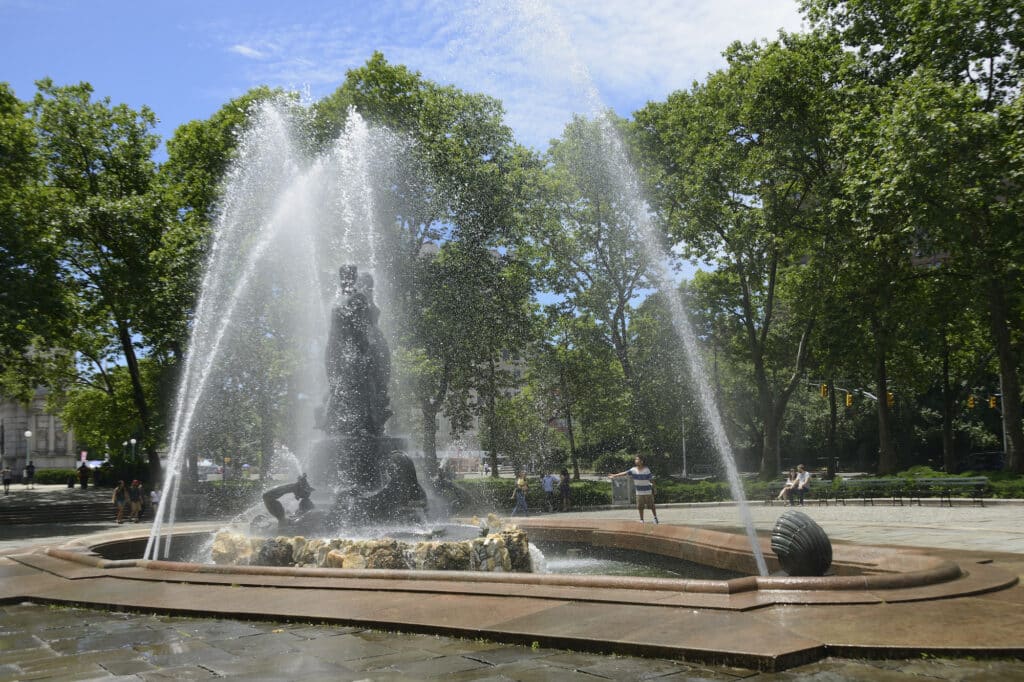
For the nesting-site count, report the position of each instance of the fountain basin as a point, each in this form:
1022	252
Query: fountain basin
860	573
881	599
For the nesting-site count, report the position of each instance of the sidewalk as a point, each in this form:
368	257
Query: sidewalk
39	642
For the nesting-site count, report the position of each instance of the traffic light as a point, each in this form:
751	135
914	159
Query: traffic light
970	402
992	401
824	390
890	399
849	400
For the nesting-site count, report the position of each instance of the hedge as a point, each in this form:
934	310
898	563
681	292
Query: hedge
486	495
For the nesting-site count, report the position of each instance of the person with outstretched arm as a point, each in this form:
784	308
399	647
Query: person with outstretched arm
643	484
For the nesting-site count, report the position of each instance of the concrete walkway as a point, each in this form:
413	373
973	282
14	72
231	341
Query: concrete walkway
38	642
996	527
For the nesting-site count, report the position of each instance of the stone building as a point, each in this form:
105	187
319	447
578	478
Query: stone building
49	446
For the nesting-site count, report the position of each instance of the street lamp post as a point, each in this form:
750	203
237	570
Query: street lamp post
133	441
28	451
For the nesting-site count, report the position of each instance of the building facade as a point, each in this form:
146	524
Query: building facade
49	446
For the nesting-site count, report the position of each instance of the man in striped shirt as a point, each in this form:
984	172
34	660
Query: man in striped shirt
643	484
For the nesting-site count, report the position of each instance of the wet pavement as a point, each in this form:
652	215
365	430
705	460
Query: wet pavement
60	643
41	642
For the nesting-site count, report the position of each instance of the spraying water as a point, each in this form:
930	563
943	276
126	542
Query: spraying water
543	34
284	224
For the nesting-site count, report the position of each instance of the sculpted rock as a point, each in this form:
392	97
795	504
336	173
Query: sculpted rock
801	545
506	550
273	552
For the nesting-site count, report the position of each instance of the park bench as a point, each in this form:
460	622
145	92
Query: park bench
977	487
896	489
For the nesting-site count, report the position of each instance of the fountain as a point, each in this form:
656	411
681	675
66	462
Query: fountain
277	323
372	480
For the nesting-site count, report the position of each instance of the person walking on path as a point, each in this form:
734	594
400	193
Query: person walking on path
135	500
519	495
120	499
30	475
643	484
6	474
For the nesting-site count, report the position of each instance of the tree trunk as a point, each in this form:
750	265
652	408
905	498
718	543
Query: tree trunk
139	398
830	436
266	437
573	457
771	462
491	415
1010	386
886	452
948	445
429	412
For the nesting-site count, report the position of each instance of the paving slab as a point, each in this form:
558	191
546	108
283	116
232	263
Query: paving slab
547	614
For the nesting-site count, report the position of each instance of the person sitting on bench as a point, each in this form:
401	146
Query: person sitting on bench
787	489
803	483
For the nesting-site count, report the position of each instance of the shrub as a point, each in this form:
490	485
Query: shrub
51	476
486	495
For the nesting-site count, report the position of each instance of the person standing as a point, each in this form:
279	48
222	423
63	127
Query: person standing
643	484
30	475
548	482
83	476
565	489
120	499
135	500
519	495
6	474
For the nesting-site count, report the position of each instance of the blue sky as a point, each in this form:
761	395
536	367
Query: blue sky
544	60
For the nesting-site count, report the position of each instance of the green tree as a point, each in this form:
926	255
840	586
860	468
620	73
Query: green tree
577	378
740	168
101	174
953	71
199	156
31	300
586	248
456	185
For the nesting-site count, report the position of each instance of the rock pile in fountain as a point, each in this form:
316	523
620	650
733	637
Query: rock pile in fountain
501	550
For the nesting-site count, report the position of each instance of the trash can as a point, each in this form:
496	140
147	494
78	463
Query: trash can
623	492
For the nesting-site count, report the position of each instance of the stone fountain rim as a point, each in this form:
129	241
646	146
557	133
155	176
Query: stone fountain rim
901	574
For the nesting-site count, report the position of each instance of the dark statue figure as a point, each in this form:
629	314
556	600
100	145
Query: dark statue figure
358	361
801	545
300	489
373	481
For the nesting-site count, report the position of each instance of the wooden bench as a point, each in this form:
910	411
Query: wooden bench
977	487
870	489
896	489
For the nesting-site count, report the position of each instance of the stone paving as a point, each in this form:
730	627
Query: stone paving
58	643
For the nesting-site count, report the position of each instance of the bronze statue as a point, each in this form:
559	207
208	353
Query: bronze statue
372	481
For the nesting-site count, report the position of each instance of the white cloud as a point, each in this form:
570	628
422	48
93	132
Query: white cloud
544	60
246	51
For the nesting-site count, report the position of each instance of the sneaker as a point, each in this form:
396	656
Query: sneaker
656	520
